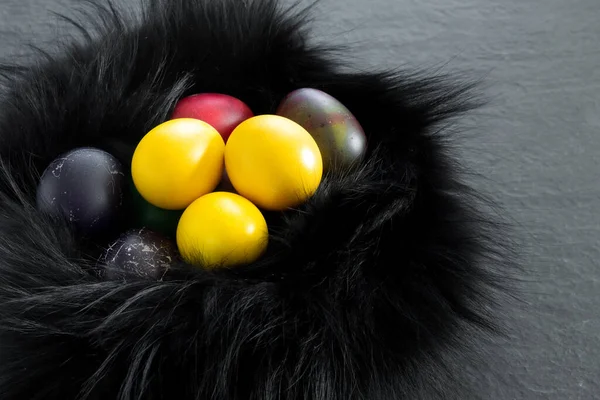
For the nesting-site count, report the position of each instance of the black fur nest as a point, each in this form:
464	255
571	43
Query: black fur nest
363	290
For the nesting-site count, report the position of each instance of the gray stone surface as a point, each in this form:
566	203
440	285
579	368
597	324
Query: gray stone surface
535	146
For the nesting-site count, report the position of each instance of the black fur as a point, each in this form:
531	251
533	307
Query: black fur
364	290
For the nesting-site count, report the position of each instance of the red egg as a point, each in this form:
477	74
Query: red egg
221	111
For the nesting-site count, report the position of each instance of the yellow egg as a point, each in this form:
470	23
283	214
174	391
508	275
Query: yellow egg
177	162
221	229
273	162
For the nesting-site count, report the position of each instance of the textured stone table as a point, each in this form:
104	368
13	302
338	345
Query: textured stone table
536	146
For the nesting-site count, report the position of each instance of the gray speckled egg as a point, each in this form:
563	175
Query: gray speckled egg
140	252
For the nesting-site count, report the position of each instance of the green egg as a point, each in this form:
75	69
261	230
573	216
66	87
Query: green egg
146	215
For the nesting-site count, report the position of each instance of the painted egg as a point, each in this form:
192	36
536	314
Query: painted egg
85	186
139	252
221	229
221	111
146	215
273	162
338	134
177	162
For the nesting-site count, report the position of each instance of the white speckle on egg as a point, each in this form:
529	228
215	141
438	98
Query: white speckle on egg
58	168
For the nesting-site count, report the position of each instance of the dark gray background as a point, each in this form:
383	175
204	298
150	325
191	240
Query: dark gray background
537	144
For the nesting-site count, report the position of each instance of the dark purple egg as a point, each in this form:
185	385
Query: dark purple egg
338	134
140	252
86	186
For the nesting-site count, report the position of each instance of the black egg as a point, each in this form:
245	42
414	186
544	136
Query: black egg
141	253
86	186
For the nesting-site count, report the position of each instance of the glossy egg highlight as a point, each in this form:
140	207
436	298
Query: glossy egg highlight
177	162
221	229
221	111
273	162
338	134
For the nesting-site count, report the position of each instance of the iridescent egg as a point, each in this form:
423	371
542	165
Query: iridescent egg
338	134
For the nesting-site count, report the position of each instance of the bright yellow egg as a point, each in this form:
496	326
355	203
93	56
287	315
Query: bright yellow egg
221	229
273	162
177	162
